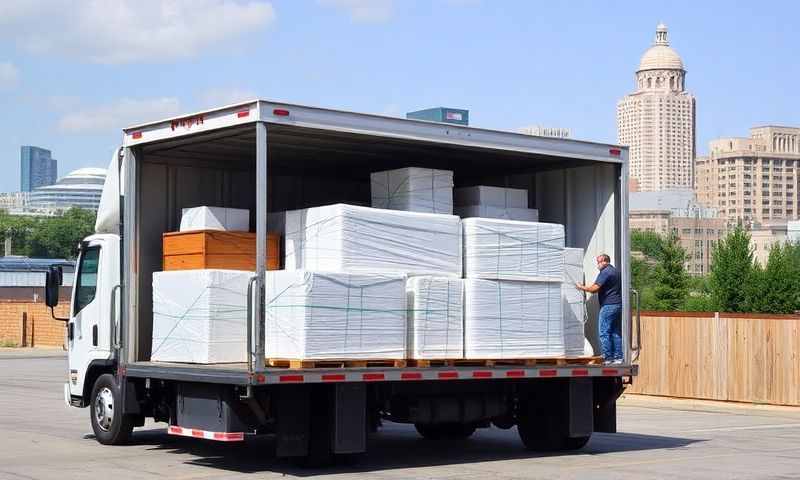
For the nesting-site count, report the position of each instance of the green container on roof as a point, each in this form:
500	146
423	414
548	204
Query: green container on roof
441	114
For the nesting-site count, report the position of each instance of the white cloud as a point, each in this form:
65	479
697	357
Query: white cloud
217	97
9	75
118	115
363	11
125	31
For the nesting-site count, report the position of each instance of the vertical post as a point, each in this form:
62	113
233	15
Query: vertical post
624	258
129	240
257	363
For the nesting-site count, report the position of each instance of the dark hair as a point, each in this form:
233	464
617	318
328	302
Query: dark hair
604	258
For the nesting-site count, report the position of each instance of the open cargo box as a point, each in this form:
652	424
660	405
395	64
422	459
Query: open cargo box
317	157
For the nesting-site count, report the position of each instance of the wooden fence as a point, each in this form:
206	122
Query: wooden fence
731	357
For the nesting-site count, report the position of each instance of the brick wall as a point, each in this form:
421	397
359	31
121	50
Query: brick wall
28	323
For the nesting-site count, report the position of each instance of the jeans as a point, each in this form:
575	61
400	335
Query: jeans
610	323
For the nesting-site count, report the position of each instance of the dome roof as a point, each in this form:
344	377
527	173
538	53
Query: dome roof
661	55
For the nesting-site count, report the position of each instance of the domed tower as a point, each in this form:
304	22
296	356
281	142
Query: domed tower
657	120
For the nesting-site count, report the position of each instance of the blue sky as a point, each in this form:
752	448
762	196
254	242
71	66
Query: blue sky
73	73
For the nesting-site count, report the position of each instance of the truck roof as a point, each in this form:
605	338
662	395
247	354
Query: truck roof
289	114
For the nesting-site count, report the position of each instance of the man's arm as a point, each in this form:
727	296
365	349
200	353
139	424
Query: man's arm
593	288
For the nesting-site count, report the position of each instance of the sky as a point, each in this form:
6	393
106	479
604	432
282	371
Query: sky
73	73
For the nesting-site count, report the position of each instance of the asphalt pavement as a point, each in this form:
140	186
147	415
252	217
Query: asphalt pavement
42	438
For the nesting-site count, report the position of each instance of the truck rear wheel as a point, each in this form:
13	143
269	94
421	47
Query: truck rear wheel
540	435
444	430
110	426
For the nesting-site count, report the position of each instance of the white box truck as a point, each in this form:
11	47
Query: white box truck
267	157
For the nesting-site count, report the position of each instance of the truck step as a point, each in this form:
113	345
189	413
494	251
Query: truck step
295	364
527	362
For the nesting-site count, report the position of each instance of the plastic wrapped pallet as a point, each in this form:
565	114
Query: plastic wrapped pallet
200	316
512	250
413	189
574	303
335	316
506	319
505	213
435	318
484	195
215	218
348	238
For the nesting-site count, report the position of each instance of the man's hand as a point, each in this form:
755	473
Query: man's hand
579	286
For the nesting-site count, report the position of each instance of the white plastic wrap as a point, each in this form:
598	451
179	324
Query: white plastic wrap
200	316
505	213
509	319
490	196
574	303
435	318
215	218
413	189
335	316
511	250
348	238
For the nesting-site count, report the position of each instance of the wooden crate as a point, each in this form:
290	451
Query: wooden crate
217	249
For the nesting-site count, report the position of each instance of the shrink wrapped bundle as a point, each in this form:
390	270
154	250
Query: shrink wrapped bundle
506	319
200	316
348	238
435	318
215	218
574	303
505	213
511	250
413	189
335	316
483	195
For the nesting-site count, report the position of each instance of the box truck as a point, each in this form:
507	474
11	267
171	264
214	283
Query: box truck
266	157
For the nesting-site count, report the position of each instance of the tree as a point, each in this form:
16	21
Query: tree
731	270
671	286
649	243
58	237
774	287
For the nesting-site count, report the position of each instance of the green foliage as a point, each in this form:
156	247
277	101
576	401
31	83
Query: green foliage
671	280
47	237
774	288
649	243
731	271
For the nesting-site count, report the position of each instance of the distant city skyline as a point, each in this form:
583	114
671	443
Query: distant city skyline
511	65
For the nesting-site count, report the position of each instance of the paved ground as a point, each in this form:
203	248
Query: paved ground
41	438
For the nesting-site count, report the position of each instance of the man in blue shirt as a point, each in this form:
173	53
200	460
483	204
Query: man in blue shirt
607	288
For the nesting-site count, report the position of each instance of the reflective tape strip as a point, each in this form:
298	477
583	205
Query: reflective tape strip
195	433
610	372
333	377
580	372
411	376
448	375
482	374
290	378
371	377
515	373
548	373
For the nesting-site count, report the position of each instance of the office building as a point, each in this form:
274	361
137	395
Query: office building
37	168
657	121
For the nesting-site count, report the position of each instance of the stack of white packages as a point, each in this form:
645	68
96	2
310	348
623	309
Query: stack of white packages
511	250
413	189
512	319
200	316
494	202
215	218
574	302
348	238
435	318
331	316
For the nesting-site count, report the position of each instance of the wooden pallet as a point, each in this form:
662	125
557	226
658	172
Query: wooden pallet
525	362
295	364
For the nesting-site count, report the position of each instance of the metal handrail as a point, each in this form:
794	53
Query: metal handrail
115	330
251	355
636	348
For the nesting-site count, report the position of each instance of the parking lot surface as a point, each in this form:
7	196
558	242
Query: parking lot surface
41	438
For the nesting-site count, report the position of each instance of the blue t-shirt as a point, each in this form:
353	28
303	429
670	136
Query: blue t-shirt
608	280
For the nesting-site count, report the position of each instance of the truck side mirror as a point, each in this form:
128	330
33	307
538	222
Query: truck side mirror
53	280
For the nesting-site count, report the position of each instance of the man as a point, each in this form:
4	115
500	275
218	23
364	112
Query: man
607	288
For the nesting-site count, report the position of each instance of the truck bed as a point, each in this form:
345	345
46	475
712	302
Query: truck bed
238	374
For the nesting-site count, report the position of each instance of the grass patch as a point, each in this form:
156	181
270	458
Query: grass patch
8	343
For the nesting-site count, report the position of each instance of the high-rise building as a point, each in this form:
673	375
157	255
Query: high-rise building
752	180
37	168
657	121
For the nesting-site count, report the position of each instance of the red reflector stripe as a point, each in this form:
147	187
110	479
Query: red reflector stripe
136	135
243	114
260	378
615	151
481	374
372	376
229	437
280	112
290	378
333	377
448	374
580	372
197	433
548	373
610	371
175	430
411	376
515	373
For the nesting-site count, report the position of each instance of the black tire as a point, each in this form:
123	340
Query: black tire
110	426
445	430
576	443
539	438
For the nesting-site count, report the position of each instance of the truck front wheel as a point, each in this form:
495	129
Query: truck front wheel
110	426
